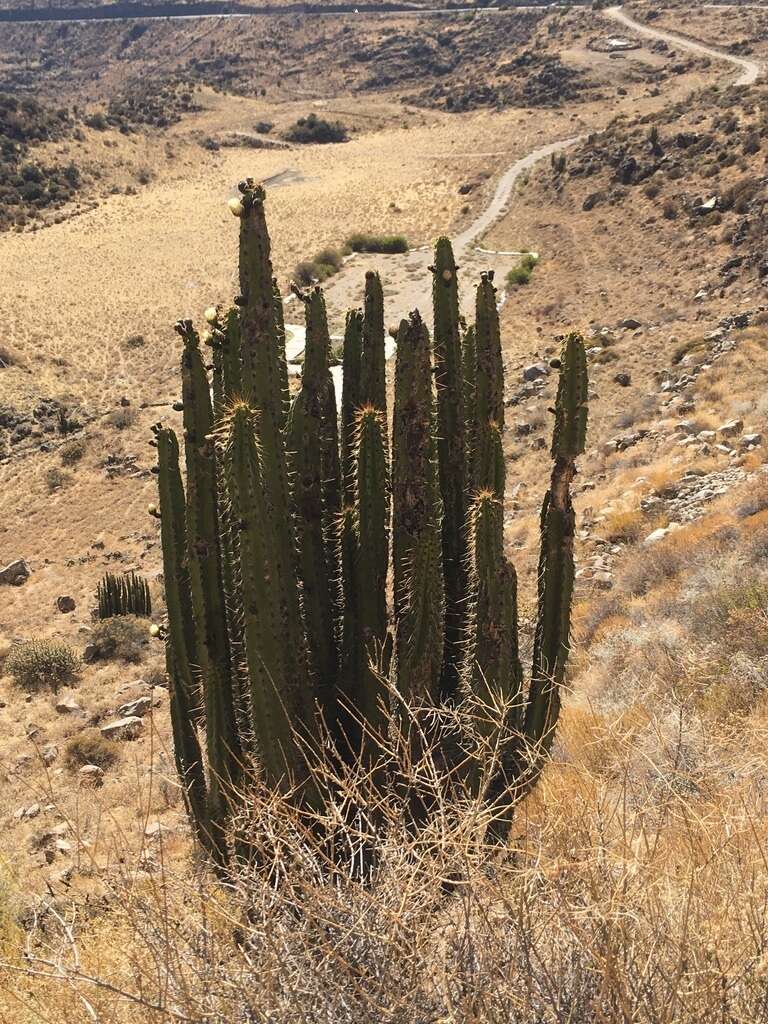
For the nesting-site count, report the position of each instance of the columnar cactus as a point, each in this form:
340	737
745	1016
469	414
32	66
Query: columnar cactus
417	519
313	453
124	594
206	576
277	562
449	374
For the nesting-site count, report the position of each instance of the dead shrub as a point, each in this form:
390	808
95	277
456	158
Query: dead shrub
90	747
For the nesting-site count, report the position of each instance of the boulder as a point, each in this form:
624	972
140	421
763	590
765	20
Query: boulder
751	440
535	371
68	706
127	728
135	708
49	753
592	200
656	535
15	573
91	775
155	830
65	603
731	429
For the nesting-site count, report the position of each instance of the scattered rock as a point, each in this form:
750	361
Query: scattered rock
49	753
155	830
135	708
731	429
706	207
592	200
535	371
127	728
623	379
751	440
91	775
629	323
15	573
656	535
68	706
624	441
65	604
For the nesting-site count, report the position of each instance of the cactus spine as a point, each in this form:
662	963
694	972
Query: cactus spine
277	561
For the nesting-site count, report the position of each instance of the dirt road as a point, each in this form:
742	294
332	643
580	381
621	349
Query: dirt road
750	69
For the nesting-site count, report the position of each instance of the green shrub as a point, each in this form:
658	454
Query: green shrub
521	274
72	451
97	121
326	263
124	637
90	747
314	129
40	664
362	242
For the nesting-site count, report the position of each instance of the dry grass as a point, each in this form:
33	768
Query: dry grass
634	890
624	526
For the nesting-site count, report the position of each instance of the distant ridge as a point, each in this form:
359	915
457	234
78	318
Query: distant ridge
213	9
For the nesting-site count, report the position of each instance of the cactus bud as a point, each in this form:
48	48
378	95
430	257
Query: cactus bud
236	208
152	510
212	314
154	630
447	274
207	338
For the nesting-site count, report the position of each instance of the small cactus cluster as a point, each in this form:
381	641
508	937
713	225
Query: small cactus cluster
125	594
324	564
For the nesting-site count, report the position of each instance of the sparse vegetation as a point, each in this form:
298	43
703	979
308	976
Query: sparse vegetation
363	242
123	638
28	187
123	417
89	747
72	452
521	274
56	478
42	664
326	263
314	130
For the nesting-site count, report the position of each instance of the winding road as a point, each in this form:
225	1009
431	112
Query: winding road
750	69
407	277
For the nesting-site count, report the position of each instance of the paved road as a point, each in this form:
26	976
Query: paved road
750	69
